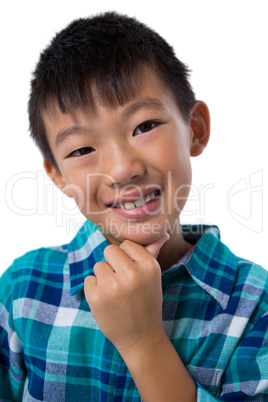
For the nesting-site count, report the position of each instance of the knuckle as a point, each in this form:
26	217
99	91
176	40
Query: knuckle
114	286
133	275
135	280
152	267
149	261
93	298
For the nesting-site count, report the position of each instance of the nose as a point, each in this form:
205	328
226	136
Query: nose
124	165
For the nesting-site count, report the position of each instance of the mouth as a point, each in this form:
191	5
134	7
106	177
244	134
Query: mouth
140	202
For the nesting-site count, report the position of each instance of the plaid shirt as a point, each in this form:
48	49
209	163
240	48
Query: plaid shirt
214	311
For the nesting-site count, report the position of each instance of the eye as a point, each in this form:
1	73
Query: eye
81	151
145	127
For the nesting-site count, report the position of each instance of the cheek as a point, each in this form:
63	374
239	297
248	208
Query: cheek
79	196
181	194
79	186
173	151
87	197
180	178
177	163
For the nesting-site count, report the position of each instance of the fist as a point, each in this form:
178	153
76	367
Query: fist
125	296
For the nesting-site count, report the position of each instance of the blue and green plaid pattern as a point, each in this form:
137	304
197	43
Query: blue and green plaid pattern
215	311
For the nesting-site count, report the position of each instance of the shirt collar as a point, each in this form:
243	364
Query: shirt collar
84	252
211	265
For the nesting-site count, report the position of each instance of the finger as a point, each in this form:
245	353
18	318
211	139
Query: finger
90	286
102	270
138	252
133	250
117	258
89	282
156	245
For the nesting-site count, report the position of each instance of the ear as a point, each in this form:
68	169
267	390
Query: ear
200	125
56	176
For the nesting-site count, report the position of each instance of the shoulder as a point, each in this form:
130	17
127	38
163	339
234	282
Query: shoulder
252	271
246	284
235	277
249	291
252	280
31	267
42	256
247	273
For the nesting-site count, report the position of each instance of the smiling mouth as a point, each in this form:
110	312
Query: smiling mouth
140	202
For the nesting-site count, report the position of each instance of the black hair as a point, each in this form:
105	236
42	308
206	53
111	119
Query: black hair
101	56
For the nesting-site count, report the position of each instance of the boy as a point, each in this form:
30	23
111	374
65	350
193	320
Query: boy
136	306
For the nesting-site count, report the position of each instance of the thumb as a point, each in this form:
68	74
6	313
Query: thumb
154	247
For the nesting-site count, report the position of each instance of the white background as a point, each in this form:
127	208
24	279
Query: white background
225	45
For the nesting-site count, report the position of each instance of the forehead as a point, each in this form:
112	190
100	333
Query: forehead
145	83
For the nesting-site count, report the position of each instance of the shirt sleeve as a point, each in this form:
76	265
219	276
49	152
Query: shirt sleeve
246	376
12	367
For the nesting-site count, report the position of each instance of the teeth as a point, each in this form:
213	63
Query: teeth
141	201
129	205
153	195
148	198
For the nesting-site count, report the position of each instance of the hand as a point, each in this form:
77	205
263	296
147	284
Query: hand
125	295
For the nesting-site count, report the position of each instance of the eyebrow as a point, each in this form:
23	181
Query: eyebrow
150	103
64	134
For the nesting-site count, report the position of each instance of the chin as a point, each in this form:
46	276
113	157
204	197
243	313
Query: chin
141	238
139	232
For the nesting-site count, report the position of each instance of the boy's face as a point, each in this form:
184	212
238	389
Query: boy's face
128	167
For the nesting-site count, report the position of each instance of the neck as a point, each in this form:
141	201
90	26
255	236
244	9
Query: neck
174	249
